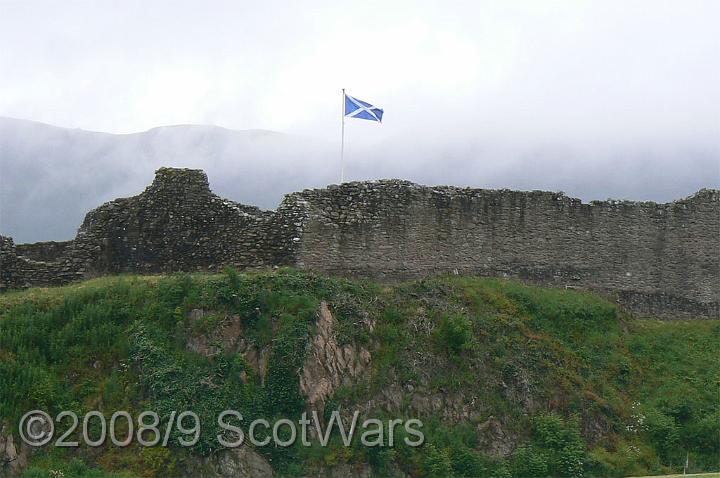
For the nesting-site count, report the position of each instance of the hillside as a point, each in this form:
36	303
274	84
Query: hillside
508	380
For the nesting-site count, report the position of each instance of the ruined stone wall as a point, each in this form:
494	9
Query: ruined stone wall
9	278
44	251
659	259
655	256
176	224
18	271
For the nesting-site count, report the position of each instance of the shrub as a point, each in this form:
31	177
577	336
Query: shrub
454	333
529	462
468	463
664	435
437	462
561	443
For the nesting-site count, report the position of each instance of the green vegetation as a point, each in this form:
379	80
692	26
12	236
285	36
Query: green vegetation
693	475
531	382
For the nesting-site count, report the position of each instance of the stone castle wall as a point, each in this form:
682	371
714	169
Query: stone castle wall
659	259
658	255
44	251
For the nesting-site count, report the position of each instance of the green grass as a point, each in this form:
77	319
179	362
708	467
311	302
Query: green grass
692	475
575	385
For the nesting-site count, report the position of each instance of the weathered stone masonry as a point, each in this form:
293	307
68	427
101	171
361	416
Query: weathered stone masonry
659	259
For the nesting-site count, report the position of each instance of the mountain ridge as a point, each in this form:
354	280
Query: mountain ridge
52	175
10	119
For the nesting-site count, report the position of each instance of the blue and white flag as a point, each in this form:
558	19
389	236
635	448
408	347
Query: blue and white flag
355	108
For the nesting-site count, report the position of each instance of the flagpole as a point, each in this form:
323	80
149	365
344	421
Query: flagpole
342	141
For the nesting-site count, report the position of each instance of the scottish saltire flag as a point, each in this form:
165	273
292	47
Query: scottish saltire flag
355	108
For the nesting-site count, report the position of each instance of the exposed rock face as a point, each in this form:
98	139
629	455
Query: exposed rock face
493	438
241	462
655	259
228	337
356	471
328	365
13	456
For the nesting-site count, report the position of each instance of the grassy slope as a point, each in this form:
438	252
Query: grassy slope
694	475
574	384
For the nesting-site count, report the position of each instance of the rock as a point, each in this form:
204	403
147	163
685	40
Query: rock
226	336
327	365
241	462
493	439
13	458
257	359
346	470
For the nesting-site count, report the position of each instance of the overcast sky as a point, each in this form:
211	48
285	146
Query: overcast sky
598	98
524	70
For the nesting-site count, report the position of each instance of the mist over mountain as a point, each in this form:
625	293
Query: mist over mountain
50	177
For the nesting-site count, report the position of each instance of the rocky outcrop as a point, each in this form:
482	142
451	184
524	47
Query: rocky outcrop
13	456
494	440
227	336
359	471
329	365
224	336
240	462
